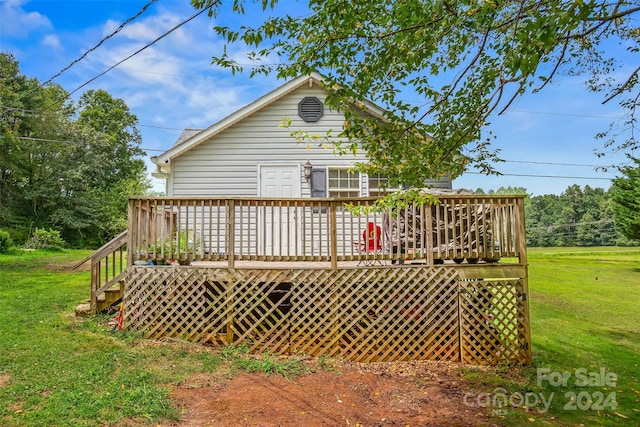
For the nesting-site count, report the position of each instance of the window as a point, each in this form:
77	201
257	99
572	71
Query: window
379	185
343	183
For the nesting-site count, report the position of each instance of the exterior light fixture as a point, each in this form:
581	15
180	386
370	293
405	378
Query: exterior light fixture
307	171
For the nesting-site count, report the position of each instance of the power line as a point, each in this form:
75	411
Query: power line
66	141
36	112
160	127
195	15
558	164
545	176
84	55
589	116
474	173
571	224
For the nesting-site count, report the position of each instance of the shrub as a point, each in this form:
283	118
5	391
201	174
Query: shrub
5	241
45	239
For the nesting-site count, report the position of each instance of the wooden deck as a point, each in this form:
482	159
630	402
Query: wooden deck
447	282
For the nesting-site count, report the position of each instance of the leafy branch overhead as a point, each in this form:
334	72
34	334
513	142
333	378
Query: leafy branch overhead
440	69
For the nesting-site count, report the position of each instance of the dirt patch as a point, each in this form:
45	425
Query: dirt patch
4	380
68	266
381	394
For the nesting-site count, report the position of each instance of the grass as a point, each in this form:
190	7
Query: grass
56	370
585	322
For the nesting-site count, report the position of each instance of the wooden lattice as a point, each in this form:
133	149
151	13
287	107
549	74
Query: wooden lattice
361	314
493	322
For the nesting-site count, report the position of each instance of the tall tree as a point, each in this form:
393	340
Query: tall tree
625	196
460	60
30	152
112	118
62	170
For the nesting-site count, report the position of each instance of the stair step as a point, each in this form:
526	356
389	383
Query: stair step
108	299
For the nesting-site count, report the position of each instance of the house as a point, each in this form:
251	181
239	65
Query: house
248	154
282	264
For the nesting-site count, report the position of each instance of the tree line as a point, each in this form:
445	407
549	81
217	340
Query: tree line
64	165
579	216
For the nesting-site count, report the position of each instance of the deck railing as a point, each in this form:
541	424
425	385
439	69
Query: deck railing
461	227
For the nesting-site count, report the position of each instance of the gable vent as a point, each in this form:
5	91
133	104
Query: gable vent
310	109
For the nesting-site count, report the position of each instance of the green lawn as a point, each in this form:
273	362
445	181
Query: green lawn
585	315
60	371
57	370
585	327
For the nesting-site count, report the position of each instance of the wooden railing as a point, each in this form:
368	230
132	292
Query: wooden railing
460	227
108	265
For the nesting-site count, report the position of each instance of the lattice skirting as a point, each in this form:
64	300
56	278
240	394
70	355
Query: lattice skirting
366	315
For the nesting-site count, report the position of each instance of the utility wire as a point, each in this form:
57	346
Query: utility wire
475	173
195	15
565	114
557	164
545	176
84	55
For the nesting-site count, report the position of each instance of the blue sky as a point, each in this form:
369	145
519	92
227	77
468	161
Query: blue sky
546	138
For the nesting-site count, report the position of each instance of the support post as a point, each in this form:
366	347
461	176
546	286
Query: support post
132	233
522	255
334	235
428	229
230	310
231	233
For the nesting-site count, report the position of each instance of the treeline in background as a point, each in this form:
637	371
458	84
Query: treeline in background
577	217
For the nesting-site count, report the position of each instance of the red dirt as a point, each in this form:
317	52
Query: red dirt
381	394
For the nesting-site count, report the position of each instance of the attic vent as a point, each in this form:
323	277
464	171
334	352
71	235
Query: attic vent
310	109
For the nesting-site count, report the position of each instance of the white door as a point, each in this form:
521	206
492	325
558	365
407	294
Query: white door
278	231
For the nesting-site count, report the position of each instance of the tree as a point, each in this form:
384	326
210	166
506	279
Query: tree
30	154
113	119
65	167
625	196
463	60
577	217
120	170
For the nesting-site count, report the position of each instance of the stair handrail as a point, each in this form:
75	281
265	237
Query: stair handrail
106	248
100	266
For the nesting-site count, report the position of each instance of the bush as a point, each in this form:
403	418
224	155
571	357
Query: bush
45	239
5	241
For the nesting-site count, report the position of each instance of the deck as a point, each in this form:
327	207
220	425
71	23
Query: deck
320	277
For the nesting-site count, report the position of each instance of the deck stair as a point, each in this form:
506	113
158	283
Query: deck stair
108	265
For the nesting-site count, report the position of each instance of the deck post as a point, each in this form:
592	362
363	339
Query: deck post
428	229
230	311
522	256
460	328
95	284
231	233
131	234
333	229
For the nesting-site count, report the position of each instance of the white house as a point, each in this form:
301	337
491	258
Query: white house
248	154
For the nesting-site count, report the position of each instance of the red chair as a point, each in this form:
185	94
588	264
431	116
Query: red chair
371	244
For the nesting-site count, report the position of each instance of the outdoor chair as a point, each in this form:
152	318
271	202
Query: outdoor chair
371	245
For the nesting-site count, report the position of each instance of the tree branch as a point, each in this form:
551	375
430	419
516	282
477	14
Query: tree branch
622	87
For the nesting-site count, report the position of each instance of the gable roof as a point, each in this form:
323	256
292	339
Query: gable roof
192	137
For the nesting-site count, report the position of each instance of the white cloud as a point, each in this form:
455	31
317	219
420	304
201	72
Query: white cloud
52	41
16	22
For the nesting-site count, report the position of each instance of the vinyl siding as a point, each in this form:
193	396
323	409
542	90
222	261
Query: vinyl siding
228	164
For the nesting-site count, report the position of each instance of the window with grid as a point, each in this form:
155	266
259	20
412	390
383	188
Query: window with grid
343	183
379	185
